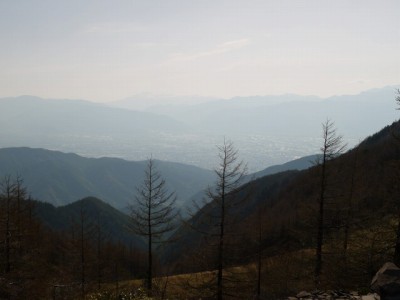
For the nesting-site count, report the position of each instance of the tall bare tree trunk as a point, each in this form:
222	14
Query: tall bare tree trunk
332	147
82	240
221	247
153	215
320	228
223	197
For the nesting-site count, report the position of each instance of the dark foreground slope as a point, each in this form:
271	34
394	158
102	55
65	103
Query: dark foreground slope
280	216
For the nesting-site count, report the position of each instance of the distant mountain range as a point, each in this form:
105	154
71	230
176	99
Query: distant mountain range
148	101
84	127
355	115
62	178
26	115
267	130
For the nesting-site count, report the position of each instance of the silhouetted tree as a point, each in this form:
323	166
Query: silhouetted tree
154	213
229	178
217	217
332	147
396	255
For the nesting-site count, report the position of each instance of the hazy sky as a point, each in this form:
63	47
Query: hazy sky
107	50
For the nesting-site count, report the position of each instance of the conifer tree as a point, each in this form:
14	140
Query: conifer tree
332	147
154	214
218	217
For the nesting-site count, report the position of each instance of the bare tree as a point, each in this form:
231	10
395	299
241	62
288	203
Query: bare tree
214	221
154	213
396	255
229	178
332	147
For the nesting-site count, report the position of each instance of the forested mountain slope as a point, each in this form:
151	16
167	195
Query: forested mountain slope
98	218
362	190
61	178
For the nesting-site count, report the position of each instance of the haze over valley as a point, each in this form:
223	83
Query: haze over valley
268	130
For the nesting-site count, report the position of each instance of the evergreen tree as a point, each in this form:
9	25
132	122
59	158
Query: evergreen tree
154	214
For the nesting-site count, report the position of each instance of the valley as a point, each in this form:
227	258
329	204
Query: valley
155	198
189	133
271	228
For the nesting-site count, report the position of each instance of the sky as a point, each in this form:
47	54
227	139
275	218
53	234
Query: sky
108	50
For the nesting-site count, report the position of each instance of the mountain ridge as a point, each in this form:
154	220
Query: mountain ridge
267	130
61	178
98	215
272	113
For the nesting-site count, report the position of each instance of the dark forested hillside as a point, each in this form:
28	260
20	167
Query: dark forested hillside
61	178
62	253
257	190
280	216
114	224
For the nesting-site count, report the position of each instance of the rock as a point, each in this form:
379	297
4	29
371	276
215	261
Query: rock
303	294
334	295
370	297
386	282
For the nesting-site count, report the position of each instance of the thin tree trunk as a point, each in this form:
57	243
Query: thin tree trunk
259	258
150	269
396	256
8	230
130	258
82	258
221	246
220	259
116	280
99	237
320	228
150	254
